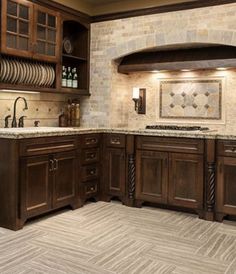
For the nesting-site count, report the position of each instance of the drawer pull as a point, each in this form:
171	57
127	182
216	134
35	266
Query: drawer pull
92	188
115	141
232	150
91	156
91	141
92	172
51	165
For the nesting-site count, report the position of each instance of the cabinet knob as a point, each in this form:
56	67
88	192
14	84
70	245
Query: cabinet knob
51	165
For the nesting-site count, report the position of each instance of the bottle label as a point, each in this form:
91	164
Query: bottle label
69	83
75	84
64	82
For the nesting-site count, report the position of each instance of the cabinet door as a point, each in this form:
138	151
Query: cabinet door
186	180
151	176
47	34
65	178
17	27
114	173
36	178
226	186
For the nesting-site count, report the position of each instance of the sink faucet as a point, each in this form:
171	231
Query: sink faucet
14	123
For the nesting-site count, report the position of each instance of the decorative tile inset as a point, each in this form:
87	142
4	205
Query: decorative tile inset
191	98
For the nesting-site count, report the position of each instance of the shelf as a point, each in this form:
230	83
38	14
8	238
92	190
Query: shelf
74	57
84	92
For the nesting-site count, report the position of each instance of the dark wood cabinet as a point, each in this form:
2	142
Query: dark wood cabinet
47	182
17	27
114	167
65	178
35	186
47	31
152	176
226	179
186	180
170	171
89	167
30	30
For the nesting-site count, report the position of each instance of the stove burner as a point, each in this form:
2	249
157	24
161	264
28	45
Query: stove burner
172	127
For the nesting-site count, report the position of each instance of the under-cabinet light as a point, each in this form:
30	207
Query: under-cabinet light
19	91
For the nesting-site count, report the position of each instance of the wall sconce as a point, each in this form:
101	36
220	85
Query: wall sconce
139	98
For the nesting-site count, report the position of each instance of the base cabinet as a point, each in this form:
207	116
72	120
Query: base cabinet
114	167
186	180
168	175
152	176
47	182
35	186
226	187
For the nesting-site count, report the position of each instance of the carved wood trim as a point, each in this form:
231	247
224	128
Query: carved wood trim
211	182
131	176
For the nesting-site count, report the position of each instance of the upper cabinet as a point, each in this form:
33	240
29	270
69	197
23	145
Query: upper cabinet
16	28
47	34
37	40
30	30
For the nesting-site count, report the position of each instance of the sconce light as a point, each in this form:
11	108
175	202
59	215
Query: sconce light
139	98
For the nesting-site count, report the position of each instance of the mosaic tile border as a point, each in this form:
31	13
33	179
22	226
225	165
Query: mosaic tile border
190	81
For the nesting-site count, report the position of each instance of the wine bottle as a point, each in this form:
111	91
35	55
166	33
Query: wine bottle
64	77
69	78
75	79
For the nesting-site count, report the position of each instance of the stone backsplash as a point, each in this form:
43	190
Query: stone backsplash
111	104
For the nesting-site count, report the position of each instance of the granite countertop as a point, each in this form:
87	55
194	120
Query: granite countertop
32	132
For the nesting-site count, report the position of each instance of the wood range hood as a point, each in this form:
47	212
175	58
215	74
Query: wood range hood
194	58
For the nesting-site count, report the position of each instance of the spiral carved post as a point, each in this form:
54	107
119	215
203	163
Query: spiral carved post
210	203
131	176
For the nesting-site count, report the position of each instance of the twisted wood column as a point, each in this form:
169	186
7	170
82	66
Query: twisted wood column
211	178
131	176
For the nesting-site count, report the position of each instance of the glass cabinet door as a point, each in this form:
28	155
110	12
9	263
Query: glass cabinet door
17	27
46	35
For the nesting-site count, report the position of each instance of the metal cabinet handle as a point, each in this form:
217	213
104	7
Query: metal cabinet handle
55	164
115	141
51	165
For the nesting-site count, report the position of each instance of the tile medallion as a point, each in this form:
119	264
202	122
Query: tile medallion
191	98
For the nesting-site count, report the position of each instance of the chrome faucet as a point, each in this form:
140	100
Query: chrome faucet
14	122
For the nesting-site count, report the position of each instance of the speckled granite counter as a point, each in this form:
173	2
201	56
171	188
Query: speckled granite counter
21	133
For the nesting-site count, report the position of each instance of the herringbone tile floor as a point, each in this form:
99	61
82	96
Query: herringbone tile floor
108	238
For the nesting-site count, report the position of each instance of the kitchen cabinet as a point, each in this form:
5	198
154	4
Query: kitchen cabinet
226	178
170	171
47	182
30	30
114	168
89	167
152	176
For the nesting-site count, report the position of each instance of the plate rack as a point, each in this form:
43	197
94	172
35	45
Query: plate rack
29	73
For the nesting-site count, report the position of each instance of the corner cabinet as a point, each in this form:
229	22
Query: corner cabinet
114	168
29	30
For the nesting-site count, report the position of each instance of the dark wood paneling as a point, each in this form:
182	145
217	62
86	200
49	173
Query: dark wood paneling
65	179
35	186
151	176
90	156
226	186
183	145
186	180
226	148
39	146
161	9
115	171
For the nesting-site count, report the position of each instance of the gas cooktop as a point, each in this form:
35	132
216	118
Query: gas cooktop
173	127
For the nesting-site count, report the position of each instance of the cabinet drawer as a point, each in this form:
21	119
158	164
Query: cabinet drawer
115	140
90	188
226	148
90	140
185	145
90	172
40	146
90	156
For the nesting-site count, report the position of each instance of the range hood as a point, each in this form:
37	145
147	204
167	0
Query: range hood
179	59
